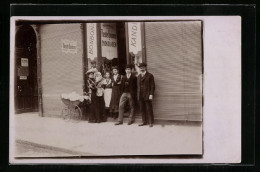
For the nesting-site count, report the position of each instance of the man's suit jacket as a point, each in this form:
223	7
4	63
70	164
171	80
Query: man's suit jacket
132	84
148	84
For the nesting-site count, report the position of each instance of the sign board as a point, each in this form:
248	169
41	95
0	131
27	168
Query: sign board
69	46
22	71
108	40
23	77
92	40
134	35
135	43
24	62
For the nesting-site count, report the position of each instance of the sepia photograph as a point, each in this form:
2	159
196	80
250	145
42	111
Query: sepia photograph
123	87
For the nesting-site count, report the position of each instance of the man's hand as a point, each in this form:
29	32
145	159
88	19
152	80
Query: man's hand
150	97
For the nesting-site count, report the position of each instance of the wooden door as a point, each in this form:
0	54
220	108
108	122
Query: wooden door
26	89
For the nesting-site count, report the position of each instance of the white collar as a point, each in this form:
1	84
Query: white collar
115	76
143	73
128	75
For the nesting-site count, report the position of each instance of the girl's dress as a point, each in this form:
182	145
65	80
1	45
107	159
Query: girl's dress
107	84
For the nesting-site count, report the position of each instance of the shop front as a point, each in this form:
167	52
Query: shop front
172	51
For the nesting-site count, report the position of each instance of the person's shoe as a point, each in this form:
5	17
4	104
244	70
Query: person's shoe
151	125
130	122
91	121
119	123
142	124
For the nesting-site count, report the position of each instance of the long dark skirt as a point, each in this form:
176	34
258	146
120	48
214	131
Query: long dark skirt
96	107
114	104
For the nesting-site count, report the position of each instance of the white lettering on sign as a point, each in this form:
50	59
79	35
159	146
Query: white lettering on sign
92	40
108	40
24	62
69	46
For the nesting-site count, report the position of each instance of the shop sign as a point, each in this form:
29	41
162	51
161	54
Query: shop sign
92	40
23	77
108	40
24	62
69	46
134	35
135	43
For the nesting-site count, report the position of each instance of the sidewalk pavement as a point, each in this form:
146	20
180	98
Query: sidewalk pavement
92	139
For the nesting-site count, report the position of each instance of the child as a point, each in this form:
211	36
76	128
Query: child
107	85
116	81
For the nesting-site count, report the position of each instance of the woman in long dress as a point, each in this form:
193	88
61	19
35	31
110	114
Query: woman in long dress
107	85
116	82
100	104
92	90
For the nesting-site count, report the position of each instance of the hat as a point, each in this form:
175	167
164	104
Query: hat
91	71
114	67
129	66
93	62
142	65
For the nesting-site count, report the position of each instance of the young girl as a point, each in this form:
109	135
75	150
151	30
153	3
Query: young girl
107	85
116	81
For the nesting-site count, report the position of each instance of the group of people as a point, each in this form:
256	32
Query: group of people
110	94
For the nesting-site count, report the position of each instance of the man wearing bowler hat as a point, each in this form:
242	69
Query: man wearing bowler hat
145	93
128	90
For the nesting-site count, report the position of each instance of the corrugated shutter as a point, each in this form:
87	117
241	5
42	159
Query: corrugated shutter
62	72
174	57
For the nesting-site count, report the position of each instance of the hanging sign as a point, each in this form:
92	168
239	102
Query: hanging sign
69	46
135	43
92	40
24	62
134	35
108	40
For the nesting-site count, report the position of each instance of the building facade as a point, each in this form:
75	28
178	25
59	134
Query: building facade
52	58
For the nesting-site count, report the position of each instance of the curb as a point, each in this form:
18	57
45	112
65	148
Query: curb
53	148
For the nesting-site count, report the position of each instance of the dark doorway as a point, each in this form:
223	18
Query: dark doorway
121	42
26	88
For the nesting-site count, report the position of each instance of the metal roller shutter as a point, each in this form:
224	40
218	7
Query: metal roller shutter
174	57
62	72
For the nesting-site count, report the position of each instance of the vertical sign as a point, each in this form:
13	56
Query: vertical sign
108	40
91	42
135	42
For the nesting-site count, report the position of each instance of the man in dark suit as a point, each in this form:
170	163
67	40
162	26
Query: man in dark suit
128	90
145	92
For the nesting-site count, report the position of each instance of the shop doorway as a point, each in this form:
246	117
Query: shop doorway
121	42
118	31
26	88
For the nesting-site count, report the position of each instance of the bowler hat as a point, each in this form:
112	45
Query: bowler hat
129	66
142	65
